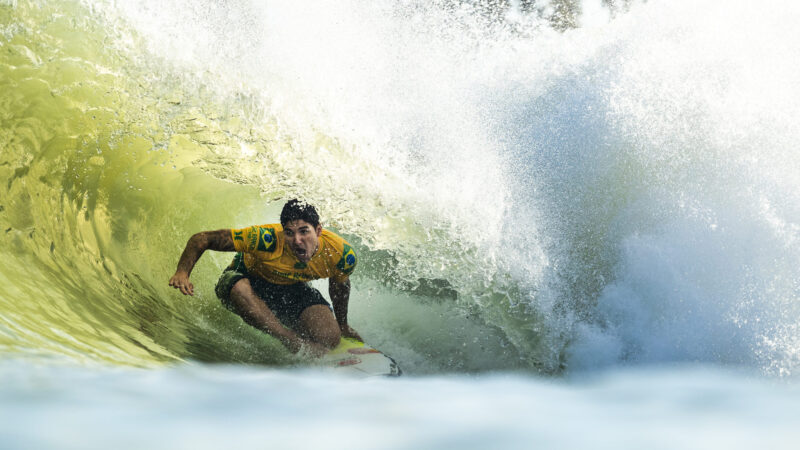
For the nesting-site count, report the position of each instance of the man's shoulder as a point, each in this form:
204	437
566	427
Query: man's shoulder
341	252
275	227
263	238
334	240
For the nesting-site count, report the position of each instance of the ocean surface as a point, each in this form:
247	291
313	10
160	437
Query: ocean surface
577	227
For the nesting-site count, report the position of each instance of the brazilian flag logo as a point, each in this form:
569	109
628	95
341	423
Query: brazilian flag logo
266	240
348	261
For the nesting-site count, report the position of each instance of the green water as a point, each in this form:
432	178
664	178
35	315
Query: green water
567	203
100	195
111	159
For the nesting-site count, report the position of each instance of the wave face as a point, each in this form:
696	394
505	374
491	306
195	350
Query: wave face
521	198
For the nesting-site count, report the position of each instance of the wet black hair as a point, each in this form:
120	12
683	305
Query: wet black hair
296	210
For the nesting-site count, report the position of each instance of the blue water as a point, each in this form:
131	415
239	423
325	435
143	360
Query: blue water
573	231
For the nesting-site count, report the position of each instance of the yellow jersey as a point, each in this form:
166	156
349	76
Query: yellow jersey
266	254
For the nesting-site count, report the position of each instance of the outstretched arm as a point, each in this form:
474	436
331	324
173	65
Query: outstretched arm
219	240
340	297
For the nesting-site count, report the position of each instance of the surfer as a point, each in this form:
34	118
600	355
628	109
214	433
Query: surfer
266	284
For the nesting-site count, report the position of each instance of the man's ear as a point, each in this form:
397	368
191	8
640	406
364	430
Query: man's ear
318	230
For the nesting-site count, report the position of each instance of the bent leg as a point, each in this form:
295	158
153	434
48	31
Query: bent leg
318	324
255	312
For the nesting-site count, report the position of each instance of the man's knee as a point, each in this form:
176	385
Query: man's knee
327	336
320	326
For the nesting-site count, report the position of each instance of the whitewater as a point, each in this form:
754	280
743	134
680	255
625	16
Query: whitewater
574	228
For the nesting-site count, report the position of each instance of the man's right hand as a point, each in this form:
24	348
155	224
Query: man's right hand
181	281
219	240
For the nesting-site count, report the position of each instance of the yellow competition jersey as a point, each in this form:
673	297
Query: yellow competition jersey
267	255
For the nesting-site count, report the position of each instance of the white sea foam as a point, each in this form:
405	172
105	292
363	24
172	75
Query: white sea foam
632	182
205	407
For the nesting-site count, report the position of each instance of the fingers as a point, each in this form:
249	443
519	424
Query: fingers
183	284
187	289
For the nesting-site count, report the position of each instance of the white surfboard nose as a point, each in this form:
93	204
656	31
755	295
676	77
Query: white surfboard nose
353	357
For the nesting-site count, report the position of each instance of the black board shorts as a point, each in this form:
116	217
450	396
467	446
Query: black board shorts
286	301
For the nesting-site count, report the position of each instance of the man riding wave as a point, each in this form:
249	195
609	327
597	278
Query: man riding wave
266	284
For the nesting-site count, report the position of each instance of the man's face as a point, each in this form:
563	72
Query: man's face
302	238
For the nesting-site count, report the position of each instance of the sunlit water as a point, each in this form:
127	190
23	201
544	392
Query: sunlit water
567	238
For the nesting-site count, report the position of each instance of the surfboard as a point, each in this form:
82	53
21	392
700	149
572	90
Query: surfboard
355	358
